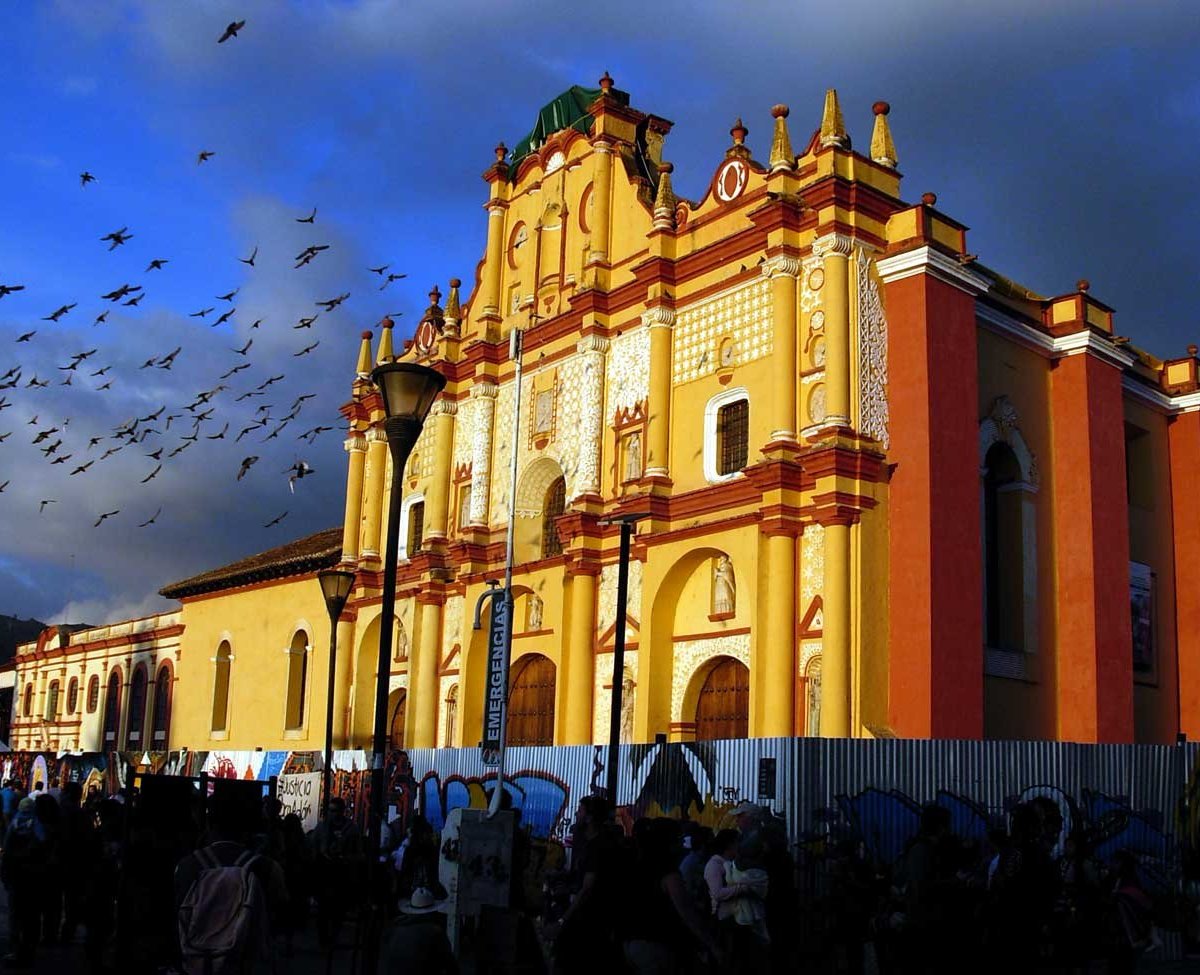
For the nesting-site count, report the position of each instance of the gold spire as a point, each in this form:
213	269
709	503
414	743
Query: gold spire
664	200
364	356
782	157
385	343
883	150
453	312
833	128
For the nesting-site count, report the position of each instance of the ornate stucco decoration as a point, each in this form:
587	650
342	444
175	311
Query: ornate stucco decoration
464	433
1000	426
872	355
742	314
602	708
606	604
483	398
628	371
452	619
592	350
691	655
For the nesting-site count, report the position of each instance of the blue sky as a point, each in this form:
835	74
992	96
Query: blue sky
1065	137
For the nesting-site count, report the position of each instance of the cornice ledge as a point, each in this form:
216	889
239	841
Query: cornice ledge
927	260
1087	341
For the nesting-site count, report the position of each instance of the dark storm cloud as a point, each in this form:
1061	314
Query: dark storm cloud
1063	134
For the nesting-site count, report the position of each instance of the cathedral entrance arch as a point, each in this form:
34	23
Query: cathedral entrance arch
366	667
723	700
531	701
541	496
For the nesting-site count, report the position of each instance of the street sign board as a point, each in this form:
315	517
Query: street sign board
496	688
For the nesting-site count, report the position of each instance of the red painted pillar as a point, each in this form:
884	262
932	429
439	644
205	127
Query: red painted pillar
935	586
1184	435
1091	551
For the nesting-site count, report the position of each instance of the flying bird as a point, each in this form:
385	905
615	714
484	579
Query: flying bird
155	454
250	260
379	270
179	450
107	385
58	313
311	218
27	336
61	460
45	501
200	314
152	475
133	302
152	520
85	177
167	361
231	31
4	485
247	463
307	322
390	278
221	435
111	450
5	436
272	522
224	318
118	293
332	303
156	264
302	398
257	323
118	237
203	156
298	471
102	317
149	362
228	297
105	516
244	349
306	350
252	427
270	382
235	370
80	356
7	289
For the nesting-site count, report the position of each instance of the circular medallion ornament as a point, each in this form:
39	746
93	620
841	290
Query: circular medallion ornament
816	278
426	338
731	180
818	320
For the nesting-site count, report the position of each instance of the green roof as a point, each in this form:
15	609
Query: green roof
568	111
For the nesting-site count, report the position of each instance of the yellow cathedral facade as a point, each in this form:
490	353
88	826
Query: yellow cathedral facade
884	490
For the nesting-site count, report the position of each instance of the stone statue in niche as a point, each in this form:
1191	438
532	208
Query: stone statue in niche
401	642
627	689
724	588
543	414
534	619
633	456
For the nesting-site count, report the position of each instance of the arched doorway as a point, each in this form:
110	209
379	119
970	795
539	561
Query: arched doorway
723	705
531	701
399	709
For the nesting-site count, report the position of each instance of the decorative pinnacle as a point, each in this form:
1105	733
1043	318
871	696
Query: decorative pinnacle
664	200
453	308
833	126
782	158
435	295
929	199
385	353
364	354
1083	285
606	83
739	132
501	151
883	150
1192	350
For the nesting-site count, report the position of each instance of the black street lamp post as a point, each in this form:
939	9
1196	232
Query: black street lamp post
408	392
335	587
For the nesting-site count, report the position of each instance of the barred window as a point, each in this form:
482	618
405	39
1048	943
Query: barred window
416	528
93	698
733	437
556	504
72	695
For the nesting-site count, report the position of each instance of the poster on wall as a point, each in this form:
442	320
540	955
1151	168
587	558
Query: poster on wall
300	793
1141	609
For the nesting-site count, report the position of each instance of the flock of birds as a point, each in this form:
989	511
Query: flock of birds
165	433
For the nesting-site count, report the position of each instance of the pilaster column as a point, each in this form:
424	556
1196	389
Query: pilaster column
580	659
494	264
437	496
375	493
601	201
356	447
836	686
834	249
484	394
421	723
659	320
783	271
777	650
1184	434
594	350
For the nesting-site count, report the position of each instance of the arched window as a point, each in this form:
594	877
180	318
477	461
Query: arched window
137	708
297	681
112	711
451	716
52	702
1002	546
162	708
27	708
723	706
73	695
412	526
93	697
726	435
555	505
220	708
531	701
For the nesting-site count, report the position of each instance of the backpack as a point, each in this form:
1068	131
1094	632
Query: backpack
24	848
223	919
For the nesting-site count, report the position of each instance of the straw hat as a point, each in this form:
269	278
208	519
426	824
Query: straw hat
421	902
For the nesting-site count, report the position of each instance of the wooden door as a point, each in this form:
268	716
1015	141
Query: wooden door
723	708
531	702
398	713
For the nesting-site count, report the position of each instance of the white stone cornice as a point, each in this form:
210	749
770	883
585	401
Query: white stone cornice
1014	328
376	435
782	265
592	344
833	245
356	442
1093	344
1182	403
927	260
660	316
486	390
444	407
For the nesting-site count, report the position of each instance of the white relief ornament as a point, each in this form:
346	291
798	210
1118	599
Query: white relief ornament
817	321
731	180
628	371
742	315
591	415
816	404
872	355
483	396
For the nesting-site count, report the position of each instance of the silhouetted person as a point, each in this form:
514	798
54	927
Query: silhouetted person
21	870
586	939
416	940
45	807
79	855
338	868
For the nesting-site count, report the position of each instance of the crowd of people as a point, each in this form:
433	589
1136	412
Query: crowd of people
152	892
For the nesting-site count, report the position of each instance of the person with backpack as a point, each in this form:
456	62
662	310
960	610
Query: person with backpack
227	897
21	870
